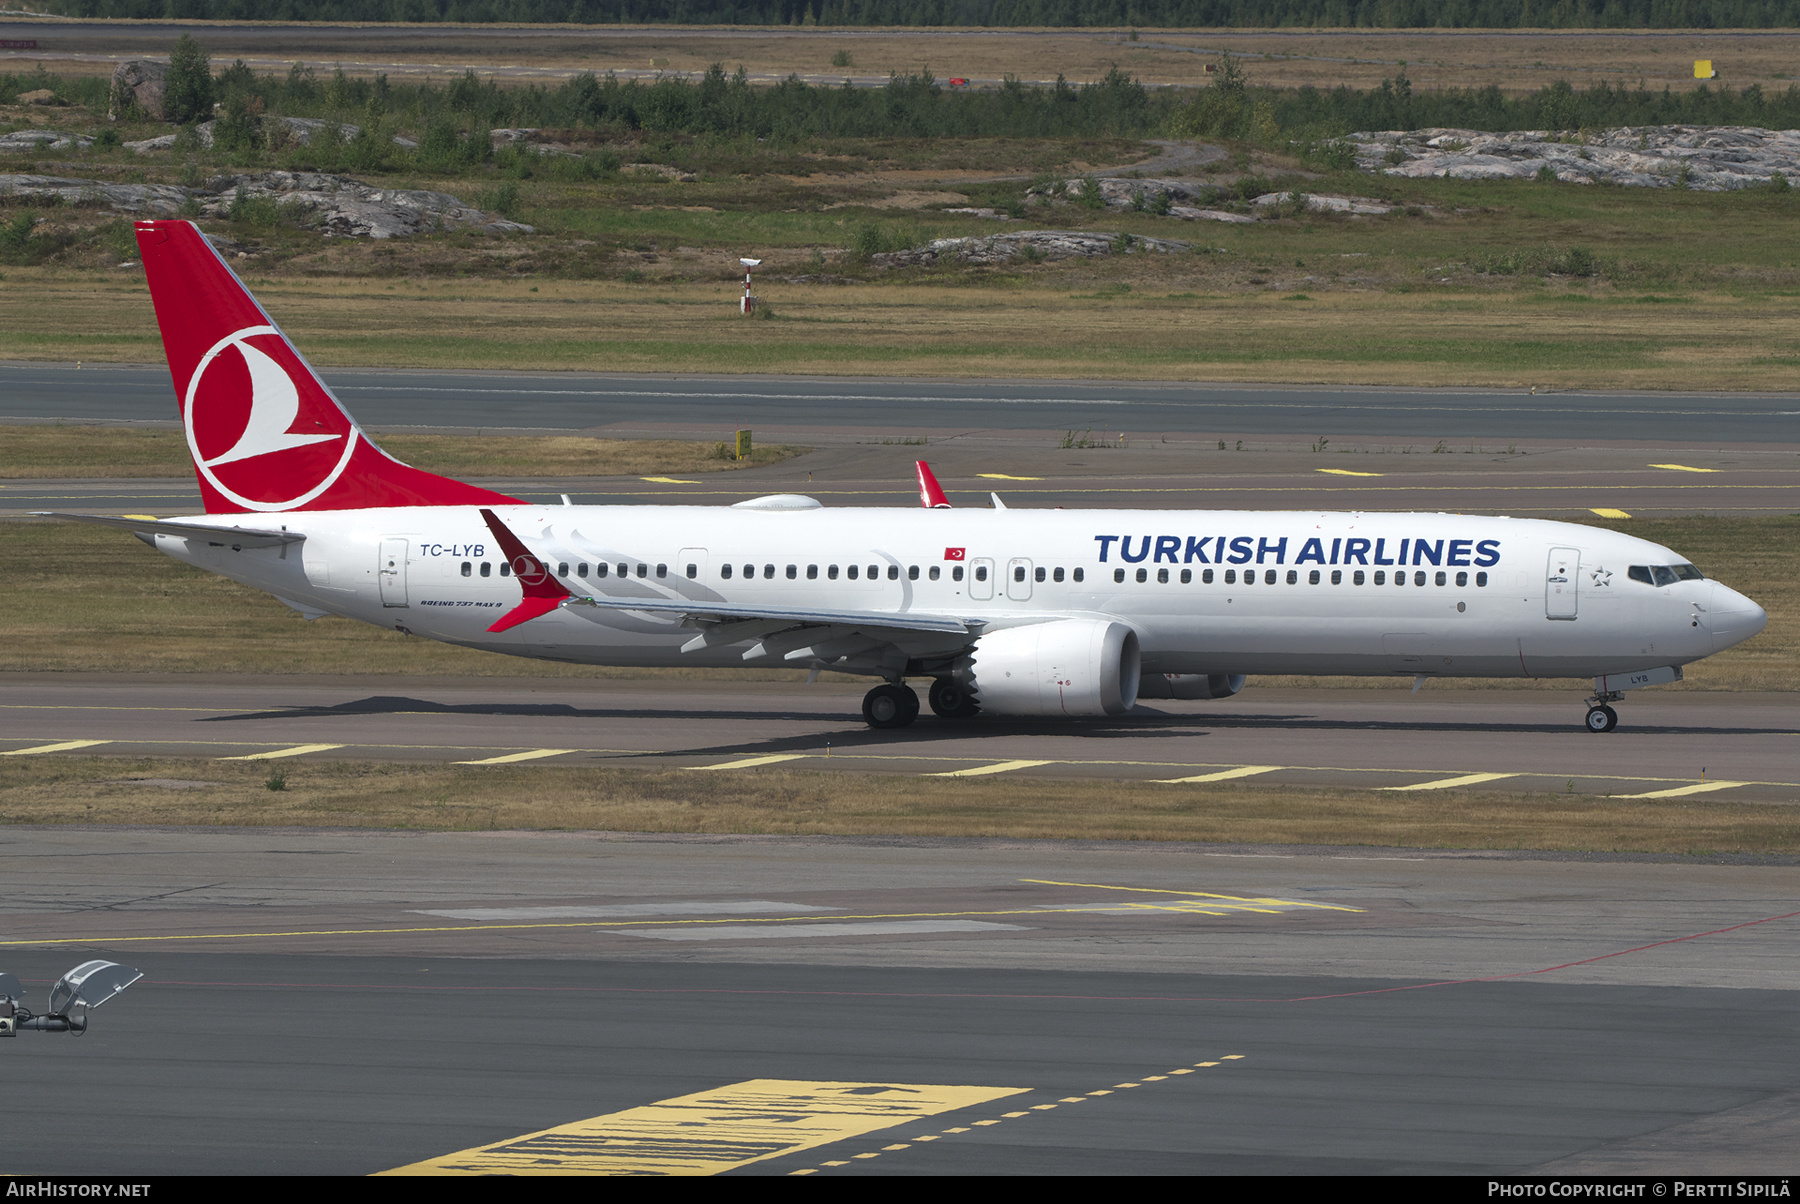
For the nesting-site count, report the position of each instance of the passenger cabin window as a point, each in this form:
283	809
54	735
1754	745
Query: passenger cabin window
981	572
1269	578
793	572
893	572
1162	576
768	572
1118	576
562	570
581	570
874	572
1380	576
1481	579
662	570
487	569
852	571
506	568
1079	574
831	573
467	568
1312	578
1230	576
1294	577
1057	575
912	572
693	570
1205	576
935	570
725	571
1187	575
956	572
1018	572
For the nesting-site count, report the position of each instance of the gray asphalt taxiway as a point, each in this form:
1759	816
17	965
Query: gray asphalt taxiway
503	1003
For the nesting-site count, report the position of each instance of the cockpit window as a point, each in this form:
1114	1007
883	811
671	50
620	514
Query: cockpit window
1664	574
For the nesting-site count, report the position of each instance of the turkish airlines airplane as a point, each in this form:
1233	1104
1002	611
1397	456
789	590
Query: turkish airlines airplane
1007	612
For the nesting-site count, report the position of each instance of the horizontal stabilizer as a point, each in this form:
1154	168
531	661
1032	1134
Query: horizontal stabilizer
232	537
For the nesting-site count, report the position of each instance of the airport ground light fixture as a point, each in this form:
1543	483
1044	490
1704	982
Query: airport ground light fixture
749	302
75	994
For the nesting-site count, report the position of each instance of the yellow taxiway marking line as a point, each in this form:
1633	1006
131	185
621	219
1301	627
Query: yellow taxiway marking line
296	751
1268	905
983	770
748	762
1467	779
1223	775
1000	476
1683	468
65	746
1196	894
710	1132
667	481
1608	512
510	758
1345	472
1696	788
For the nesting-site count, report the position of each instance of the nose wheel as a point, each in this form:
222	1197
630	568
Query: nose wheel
890	706
1602	719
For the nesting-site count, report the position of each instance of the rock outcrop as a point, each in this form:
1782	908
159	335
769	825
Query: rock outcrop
337	205
1025	244
160	200
141	83
30	140
349	208
1708	158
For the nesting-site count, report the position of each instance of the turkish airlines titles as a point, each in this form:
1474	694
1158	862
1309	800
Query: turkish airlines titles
1211	549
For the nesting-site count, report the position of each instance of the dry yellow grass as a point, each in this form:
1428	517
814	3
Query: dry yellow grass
1161	330
115	791
1515	60
66	452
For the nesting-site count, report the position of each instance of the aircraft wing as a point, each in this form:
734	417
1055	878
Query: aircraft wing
234	537
702	612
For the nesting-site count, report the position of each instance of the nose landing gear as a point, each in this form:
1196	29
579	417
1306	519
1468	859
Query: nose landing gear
890	706
1600	717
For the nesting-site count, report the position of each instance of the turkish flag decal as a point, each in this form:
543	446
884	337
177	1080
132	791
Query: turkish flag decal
953	553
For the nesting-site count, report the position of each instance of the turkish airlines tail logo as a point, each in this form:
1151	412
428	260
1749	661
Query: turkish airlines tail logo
274	405
265	431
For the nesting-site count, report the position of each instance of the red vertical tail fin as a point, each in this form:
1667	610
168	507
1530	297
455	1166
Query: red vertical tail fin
931	496
264	431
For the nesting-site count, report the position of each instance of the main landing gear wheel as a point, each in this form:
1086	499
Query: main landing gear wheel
952	700
890	706
1602	719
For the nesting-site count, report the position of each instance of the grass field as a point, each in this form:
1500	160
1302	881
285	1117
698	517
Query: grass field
1092	321
1515	60
90	599
97	790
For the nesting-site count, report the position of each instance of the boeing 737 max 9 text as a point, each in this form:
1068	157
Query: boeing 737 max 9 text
1010	612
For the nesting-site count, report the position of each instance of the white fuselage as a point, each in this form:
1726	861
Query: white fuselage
1207	592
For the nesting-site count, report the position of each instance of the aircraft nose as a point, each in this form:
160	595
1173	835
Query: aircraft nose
1733	618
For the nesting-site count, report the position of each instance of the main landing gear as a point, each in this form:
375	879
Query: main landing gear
1600	717
951	699
889	706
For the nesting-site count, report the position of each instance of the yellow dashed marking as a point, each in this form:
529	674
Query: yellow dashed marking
983	770
297	750
751	762
1696	788
1609	512
712	1131
510	758
1467	779
1000	476
1223	775
65	746
1683	468
1192	894
1345	472
667	481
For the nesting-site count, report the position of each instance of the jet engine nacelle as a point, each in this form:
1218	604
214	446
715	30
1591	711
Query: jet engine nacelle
1069	667
1190	686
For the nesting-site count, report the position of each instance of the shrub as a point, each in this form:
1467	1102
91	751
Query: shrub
188	91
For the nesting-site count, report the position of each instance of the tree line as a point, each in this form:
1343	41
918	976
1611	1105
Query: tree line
1188	14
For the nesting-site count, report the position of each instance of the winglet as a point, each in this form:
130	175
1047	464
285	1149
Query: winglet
543	592
931	495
